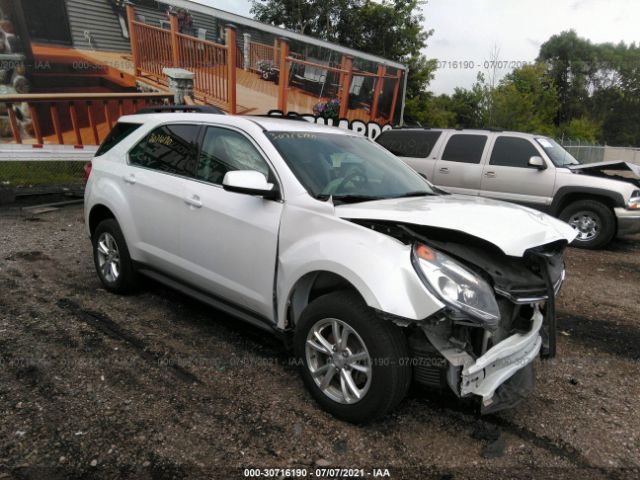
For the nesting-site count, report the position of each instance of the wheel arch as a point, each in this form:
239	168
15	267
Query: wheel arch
311	286
567	195
98	213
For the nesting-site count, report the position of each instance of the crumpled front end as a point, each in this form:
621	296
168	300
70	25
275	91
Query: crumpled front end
488	373
494	361
499	314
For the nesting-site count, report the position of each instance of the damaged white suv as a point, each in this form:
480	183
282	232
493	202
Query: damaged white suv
320	235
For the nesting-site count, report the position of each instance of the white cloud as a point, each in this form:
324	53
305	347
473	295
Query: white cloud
471	29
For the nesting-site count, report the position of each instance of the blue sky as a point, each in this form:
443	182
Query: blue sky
468	31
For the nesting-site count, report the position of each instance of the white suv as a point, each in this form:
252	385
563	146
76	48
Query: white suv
323	237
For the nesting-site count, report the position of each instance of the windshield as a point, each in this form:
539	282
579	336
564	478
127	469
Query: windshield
347	168
558	155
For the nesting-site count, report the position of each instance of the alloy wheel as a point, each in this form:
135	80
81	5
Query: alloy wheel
338	360
586	224
108	257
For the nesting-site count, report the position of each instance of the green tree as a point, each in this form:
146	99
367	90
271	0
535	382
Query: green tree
572	64
581	128
526	100
391	28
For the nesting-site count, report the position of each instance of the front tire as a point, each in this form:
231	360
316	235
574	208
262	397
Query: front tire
593	221
111	258
352	361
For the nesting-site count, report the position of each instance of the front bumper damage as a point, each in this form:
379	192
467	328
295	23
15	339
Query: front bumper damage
628	221
485	375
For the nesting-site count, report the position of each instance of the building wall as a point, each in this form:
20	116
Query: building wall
99	21
95	19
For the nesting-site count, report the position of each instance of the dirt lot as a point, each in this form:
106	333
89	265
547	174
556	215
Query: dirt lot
155	385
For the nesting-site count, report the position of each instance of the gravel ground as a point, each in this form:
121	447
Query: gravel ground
155	385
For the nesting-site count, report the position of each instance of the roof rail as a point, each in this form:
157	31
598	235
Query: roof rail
181	108
278	114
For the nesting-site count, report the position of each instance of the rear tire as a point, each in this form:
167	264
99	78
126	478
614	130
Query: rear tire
378	345
111	258
594	222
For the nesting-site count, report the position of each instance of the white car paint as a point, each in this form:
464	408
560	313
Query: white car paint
254	252
512	228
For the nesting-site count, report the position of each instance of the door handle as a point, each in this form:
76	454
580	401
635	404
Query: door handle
444	170
131	178
193	201
490	174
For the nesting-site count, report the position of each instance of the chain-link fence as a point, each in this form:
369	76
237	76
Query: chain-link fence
25	169
591	153
584	152
41	173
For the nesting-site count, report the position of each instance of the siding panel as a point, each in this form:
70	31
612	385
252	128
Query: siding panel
98	19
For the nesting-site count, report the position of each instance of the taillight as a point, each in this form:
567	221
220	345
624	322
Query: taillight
87	171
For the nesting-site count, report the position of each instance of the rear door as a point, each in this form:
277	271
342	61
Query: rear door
508	176
415	147
230	240
159	166
459	168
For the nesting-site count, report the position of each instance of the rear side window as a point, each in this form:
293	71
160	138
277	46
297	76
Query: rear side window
169	148
417	144
512	152
464	148
119	132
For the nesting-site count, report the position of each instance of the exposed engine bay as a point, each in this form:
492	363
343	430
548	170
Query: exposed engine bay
616	170
491	359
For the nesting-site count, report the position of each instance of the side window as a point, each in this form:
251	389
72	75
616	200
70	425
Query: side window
170	149
119	132
512	152
225	150
464	148
407	143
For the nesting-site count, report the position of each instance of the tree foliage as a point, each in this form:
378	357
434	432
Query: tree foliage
576	89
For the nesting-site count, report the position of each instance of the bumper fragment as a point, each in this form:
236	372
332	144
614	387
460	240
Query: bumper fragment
628	221
484	375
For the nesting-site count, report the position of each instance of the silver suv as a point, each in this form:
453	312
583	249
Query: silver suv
324	238
598	200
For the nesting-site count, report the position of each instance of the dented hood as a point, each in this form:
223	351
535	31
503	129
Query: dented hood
512	228
603	166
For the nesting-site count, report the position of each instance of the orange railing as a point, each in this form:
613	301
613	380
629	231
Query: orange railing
208	61
156	44
73	118
214	68
259	52
345	73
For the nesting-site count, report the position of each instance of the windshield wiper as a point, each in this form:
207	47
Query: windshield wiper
348	198
417	193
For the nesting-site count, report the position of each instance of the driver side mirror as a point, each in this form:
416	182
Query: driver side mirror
250	182
537	162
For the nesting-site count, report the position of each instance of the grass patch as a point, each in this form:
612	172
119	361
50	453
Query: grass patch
41	173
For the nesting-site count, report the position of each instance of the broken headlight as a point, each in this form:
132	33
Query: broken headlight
456	285
634	201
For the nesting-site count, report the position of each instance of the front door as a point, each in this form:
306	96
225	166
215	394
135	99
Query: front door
508	176
230	240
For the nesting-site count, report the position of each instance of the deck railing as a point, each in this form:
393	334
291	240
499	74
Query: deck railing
259	52
156	43
208	61
73	118
213	64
